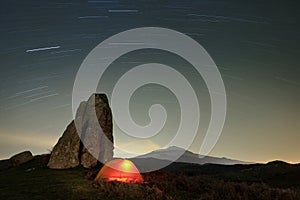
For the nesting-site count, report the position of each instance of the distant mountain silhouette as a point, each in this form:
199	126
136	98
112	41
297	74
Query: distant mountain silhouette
171	153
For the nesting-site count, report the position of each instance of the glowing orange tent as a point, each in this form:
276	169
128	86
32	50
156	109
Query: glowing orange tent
120	170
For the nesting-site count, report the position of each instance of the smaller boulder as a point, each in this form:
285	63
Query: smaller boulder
21	158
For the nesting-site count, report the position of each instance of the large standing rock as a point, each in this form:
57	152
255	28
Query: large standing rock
97	140
97	143
65	153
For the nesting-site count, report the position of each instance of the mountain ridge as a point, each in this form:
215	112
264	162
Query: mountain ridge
178	154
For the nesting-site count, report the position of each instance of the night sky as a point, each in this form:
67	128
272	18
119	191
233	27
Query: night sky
254	44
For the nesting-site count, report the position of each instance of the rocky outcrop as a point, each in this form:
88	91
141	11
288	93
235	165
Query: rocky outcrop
21	158
94	124
16	160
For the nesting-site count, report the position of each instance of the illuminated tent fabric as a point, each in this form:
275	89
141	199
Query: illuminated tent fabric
120	170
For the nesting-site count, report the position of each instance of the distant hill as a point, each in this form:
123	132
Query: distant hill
163	157
171	153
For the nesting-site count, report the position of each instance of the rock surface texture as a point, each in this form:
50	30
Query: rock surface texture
93	122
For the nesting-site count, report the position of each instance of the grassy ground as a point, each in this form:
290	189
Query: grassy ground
33	180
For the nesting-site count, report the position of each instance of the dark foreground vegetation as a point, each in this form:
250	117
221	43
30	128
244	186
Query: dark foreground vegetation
33	180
